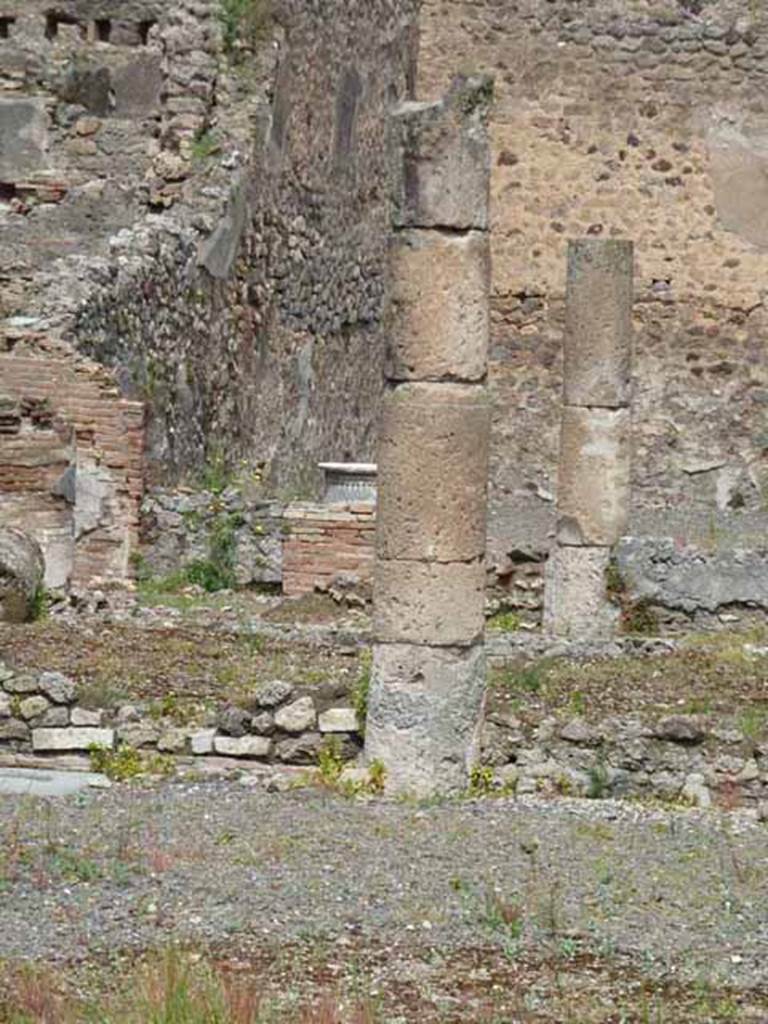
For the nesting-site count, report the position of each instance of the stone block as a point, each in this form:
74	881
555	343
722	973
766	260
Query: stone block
23	137
87	716
440	158
339	720
575	601
301	750
438	314
22	684
173	741
32	707
57	687
138	734
593	476
137	87
275	692
55	716
598	331
201	742
433	472
71	738
298	716
242	746
22	568
13	729
424	714
5	705
429	603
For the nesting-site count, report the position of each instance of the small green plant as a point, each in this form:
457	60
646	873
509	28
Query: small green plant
525	679
753	721
38	606
640	617
121	765
504	622
330	761
244	21
480	780
599	782
126	763
204	147
578	703
377	776
361	689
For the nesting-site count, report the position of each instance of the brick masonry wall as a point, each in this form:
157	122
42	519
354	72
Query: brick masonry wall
324	543
627	119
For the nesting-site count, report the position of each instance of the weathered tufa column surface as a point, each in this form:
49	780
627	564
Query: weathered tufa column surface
593	471
428	676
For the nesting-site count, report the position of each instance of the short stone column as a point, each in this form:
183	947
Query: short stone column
593	470
428	674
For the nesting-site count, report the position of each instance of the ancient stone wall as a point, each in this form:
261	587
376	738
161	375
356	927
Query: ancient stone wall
647	121
201	210
257	332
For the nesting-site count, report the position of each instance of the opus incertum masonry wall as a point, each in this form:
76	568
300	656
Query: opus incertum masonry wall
428	675
593	468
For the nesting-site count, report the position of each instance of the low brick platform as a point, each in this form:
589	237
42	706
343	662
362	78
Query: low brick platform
324	542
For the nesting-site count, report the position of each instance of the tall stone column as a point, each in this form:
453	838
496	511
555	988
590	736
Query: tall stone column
428	674
593	471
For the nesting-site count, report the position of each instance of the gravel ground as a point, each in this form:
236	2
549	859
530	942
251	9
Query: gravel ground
682	893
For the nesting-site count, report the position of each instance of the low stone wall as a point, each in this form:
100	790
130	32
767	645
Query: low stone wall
328	546
677	758
278	722
701	760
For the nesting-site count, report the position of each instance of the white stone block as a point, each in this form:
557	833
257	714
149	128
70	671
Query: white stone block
201	742
86	716
339	720
71	739
242	746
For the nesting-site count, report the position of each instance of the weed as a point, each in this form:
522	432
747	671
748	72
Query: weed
504	622
753	721
361	689
640	617
528	679
578	703
480	780
244	21
599	783
204	146
127	763
377	776
330	761
504	920
38	606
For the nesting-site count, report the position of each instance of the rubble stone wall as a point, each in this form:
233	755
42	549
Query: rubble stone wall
638	120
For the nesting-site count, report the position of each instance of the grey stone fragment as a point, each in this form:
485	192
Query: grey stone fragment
55	717
21	566
580	732
575	600
31	707
173	741
440	158
242	746
302	750
127	713
201	742
13	729
424	715
22	684
57	687
297	717
6	672
5	705
87	716
234	721
269	695
598	334
23	136
680	729
71	738
217	253
138	734
263	723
